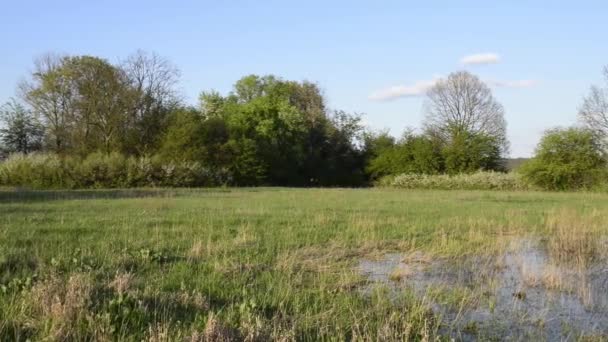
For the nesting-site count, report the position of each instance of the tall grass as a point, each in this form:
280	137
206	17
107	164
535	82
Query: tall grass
249	264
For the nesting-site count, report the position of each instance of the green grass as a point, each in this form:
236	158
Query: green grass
254	264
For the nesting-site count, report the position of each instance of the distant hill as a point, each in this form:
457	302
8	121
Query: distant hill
513	163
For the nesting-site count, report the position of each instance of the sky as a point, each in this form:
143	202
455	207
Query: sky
370	57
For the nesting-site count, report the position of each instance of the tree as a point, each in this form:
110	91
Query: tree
463	103
413	153
594	111
211	104
152	79
83	101
343	163
101	105
20	130
50	95
183	139
565	159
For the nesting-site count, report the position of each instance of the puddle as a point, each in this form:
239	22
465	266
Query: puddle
518	295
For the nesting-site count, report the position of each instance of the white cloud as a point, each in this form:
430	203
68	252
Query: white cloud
480	58
417	89
512	84
421	87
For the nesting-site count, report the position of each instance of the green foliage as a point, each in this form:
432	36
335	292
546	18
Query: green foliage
474	181
467	152
567	159
184	138
419	154
20	130
272	131
266	131
37	171
427	154
102	170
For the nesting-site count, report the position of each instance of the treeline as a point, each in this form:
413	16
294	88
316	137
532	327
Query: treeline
85	122
266	131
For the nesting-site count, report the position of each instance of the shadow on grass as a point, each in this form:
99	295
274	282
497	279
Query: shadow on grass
21	195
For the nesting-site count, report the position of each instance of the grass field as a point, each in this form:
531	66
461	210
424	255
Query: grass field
301	264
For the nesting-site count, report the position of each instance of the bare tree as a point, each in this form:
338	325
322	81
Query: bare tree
153	79
463	103
593	113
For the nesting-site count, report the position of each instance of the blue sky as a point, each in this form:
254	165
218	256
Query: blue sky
549	52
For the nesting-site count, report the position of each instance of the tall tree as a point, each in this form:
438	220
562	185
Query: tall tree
462	103
84	102
103	99
50	95
153	80
594	110
20	130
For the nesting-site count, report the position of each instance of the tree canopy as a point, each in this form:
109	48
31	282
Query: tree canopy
265	131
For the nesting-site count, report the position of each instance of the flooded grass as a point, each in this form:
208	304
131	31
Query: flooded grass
302	265
523	292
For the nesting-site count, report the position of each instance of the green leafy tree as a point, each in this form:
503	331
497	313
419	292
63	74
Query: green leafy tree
414	153
50	94
468	152
20	130
567	159
100	109
83	101
185	137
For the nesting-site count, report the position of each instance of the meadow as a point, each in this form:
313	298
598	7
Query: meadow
287	264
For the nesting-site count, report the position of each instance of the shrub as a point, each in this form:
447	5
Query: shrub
567	159
36	171
475	181
412	154
100	170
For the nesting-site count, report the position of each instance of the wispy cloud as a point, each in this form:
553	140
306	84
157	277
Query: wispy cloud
512	84
480	58
421	87
417	89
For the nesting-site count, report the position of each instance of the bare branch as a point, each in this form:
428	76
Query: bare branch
462	102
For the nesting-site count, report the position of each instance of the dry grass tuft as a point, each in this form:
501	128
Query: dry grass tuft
215	331
401	272
192	299
159	333
573	238
197	251
553	278
253	330
62	304
122	283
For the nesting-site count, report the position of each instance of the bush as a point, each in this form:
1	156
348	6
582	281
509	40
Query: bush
36	171
412	154
567	159
100	170
475	181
